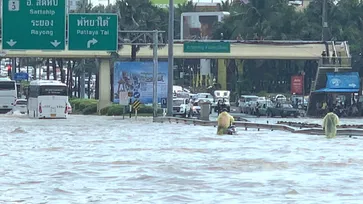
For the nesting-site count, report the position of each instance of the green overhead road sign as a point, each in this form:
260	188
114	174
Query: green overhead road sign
210	47
33	24
92	31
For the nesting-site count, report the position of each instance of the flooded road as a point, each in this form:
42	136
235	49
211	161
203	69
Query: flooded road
92	159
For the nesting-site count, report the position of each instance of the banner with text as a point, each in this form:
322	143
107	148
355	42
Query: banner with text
137	77
297	83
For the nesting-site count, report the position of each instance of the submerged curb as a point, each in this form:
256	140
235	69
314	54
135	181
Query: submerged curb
259	126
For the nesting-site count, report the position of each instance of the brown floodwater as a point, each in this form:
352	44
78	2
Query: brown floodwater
92	159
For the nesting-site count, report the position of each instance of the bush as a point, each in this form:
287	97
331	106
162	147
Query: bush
145	109
79	105
89	106
91	109
104	111
87	102
115	110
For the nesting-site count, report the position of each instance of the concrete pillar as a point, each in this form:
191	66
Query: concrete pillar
205	67
104	85
222	73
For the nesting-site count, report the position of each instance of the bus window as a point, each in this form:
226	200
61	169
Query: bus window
7	85
53	90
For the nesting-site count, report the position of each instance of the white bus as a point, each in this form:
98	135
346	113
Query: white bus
8	94
47	99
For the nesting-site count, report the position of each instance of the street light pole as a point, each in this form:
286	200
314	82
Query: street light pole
83	74
324	22
170	59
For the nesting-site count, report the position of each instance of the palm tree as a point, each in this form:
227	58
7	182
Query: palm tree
139	15
181	8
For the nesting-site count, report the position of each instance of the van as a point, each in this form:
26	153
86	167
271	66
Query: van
245	102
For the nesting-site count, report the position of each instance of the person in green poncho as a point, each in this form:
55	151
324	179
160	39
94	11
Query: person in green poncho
224	121
330	122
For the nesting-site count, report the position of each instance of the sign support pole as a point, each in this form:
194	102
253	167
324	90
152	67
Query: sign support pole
130	106
123	112
155	73
170	58
136	114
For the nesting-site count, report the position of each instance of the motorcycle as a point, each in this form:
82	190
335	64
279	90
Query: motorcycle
231	130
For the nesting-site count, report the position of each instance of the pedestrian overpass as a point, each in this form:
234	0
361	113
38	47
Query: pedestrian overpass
238	50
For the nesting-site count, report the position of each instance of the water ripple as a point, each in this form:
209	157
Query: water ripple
92	159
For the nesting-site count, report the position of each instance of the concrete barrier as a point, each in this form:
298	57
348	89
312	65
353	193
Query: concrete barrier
260	126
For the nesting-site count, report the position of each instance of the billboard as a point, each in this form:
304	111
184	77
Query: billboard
199	25
297	84
137	77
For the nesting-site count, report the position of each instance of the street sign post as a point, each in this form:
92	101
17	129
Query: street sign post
136	106
33	25
163	102
89	31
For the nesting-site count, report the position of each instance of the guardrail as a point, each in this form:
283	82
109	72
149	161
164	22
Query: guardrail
258	126
339	62
346	46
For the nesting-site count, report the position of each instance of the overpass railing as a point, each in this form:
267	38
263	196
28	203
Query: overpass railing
338	62
346	46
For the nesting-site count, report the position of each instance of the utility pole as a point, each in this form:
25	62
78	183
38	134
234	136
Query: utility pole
325	31
82	76
170	58
155	72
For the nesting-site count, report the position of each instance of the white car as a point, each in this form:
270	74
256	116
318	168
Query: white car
69	108
21	105
181	106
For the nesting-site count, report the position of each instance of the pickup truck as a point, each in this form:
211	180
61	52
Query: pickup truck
283	110
181	106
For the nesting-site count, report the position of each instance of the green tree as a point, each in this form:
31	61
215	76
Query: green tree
139	15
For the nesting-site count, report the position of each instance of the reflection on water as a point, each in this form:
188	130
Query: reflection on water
108	160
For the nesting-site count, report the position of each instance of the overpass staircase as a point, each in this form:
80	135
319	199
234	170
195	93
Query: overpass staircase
340	62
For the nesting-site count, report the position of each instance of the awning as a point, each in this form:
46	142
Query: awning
327	90
341	82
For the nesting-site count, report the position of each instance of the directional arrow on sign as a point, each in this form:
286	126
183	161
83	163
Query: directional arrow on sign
93	41
11	42
55	43
353	85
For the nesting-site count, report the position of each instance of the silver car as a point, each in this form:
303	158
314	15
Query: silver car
21	105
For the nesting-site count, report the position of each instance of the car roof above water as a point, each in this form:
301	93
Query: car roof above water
47	83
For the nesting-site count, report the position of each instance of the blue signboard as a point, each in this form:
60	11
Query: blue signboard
345	80
164	102
137	77
137	95
21	76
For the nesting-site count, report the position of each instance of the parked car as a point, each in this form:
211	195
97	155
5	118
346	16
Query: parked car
283	110
21	105
263	106
195	110
69	108
245	103
181	106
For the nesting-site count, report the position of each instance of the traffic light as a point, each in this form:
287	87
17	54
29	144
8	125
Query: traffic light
9	70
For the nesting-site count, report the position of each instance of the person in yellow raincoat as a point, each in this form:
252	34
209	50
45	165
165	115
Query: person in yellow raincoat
330	122
224	121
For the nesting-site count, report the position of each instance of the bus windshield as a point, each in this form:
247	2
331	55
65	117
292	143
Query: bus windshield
8	85
53	90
